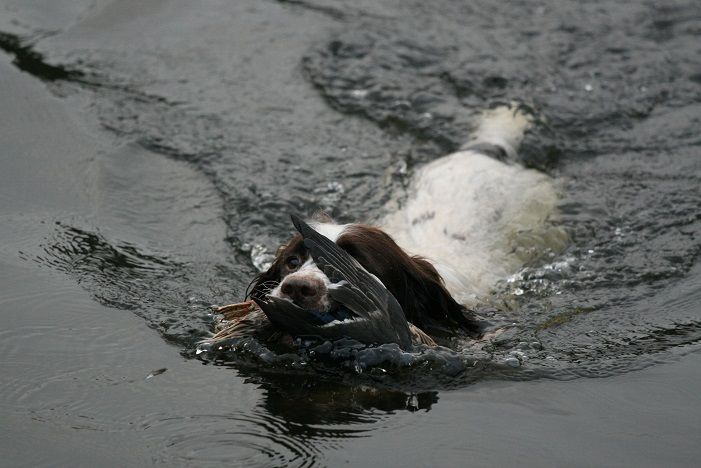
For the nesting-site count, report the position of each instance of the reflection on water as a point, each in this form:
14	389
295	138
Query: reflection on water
32	62
299	418
327	401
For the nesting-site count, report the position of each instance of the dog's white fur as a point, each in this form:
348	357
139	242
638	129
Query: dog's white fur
476	218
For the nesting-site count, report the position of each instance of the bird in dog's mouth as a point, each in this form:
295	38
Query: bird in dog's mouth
362	308
358	306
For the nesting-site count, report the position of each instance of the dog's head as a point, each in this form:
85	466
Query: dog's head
413	281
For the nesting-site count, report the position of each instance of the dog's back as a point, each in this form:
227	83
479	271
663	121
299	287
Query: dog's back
476	217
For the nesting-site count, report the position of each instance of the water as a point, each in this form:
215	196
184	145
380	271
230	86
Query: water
153	151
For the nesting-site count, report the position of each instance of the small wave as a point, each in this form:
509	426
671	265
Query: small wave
126	276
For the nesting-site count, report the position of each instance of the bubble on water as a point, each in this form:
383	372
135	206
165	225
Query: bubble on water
512	361
359	93
261	258
402	168
330	195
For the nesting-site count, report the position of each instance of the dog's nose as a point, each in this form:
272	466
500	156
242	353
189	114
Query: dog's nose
306	291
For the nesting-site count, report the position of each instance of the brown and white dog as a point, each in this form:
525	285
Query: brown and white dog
469	219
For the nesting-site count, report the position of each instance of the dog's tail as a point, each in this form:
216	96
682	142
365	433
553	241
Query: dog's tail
499	132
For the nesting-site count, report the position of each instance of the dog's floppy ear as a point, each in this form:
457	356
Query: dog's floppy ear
430	305
413	281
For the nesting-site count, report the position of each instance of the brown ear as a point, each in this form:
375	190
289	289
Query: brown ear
431	306
427	269
413	281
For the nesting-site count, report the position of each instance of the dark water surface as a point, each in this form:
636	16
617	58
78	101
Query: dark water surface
152	150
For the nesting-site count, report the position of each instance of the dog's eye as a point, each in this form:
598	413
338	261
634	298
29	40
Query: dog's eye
292	262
